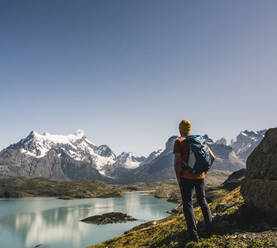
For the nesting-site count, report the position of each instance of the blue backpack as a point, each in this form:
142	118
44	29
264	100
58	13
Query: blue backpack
199	156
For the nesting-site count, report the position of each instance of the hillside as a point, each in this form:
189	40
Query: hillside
237	226
23	187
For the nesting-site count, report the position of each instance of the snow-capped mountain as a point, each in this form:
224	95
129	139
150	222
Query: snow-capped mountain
76	146
246	142
129	160
70	156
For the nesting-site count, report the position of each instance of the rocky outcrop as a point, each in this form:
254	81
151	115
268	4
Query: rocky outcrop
260	186
234	180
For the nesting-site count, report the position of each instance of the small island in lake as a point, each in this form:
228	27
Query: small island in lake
107	218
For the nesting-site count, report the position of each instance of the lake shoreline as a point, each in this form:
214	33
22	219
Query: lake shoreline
65	190
60	220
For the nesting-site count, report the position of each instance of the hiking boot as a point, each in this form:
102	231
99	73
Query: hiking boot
191	237
211	230
194	238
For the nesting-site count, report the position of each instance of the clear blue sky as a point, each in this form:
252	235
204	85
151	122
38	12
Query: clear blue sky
126	71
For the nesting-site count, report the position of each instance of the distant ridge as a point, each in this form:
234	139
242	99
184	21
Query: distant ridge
246	142
162	166
74	157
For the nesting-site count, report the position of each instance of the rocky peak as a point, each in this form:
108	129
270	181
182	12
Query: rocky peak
222	141
105	151
32	134
154	155
246	142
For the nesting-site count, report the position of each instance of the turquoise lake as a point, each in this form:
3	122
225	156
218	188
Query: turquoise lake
54	223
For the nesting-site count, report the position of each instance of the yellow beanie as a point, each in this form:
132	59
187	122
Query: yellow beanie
185	126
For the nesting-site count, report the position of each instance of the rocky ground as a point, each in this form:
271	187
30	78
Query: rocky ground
112	217
22	187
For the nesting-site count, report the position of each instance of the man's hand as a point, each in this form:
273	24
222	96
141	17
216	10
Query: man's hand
178	166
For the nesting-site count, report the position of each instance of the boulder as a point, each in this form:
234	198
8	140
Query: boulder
260	185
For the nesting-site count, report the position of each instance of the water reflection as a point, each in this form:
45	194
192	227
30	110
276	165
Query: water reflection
132	202
104	206
60	226
50	225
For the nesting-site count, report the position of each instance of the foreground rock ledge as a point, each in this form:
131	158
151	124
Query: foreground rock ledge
260	185
107	218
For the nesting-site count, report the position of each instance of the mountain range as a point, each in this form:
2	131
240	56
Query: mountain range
246	142
74	157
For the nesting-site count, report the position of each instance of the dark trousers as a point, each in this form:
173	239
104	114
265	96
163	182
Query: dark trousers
186	187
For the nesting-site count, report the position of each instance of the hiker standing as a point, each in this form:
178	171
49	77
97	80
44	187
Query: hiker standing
191	165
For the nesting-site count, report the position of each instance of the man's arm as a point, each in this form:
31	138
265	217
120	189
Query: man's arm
211	154
178	165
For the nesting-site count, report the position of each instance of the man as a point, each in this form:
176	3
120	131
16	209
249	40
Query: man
188	181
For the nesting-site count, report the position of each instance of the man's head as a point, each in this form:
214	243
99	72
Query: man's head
185	127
